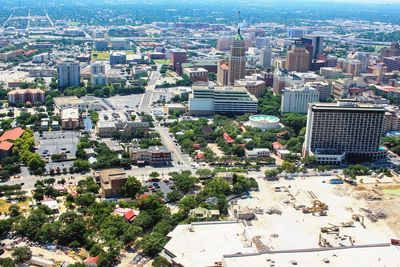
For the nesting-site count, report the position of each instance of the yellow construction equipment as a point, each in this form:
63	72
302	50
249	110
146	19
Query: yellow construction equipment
317	207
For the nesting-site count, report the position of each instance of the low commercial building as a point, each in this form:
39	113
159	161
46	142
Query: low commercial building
64	102
257	153
105	129
196	74
41	72
173	108
111	181
254	87
206	100
70	119
154	155
26	95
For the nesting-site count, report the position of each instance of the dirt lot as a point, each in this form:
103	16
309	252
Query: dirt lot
294	229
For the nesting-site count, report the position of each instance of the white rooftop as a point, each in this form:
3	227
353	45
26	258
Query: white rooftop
203	244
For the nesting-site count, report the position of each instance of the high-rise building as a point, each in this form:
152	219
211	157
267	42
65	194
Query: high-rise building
296	99
261	42
363	58
237	59
392	63
298	59
344	131
351	66
324	89
97	68
313	44
206	100
177	57
222	73
68	74
392	51
117	58
266	58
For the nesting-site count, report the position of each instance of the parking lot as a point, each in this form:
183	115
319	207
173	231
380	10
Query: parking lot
159	186
57	142
125	102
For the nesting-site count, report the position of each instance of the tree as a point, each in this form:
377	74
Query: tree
153	243
8	262
14	210
81	165
161	262
187	203
204	173
85	200
132	187
154	175
272	173
21	254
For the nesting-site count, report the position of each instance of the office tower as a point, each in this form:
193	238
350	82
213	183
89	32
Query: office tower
222	73
261	42
314	45
341	88
392	51
296	32
351	66
254	87
344	131
266	58
117	58
100	44
177	57
298	59
363	58
324	89
206	100
237	59
97	68
68	74
392	63
296	99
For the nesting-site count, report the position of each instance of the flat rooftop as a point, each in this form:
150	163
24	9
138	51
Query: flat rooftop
203	244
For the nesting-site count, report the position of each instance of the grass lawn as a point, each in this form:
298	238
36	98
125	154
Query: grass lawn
392	191
4	205
101	55
162	61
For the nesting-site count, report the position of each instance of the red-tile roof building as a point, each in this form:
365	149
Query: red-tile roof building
12	135
227	138
26	95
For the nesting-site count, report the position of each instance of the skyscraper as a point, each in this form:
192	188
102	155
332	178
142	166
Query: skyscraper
344	131
298	59
237	59
68	74
266	58
313	44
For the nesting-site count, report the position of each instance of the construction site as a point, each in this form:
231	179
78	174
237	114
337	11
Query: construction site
312	214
